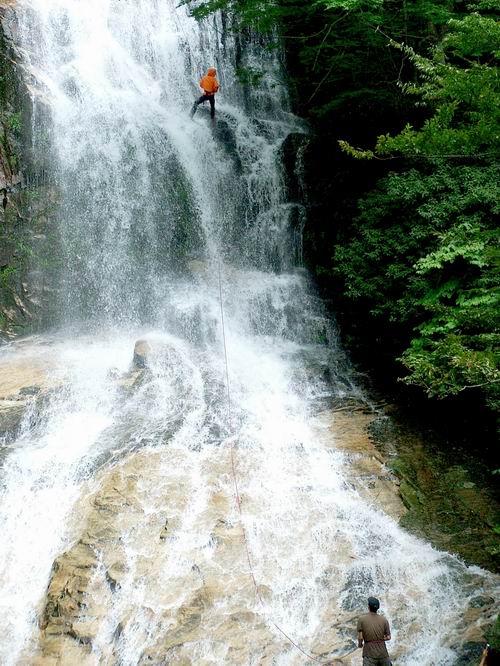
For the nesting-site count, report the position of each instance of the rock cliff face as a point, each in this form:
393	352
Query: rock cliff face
85	594
155	570
27	196
448	494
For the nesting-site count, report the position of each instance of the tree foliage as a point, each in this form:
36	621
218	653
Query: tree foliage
426	250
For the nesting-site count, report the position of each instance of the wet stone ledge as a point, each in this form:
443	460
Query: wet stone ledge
449	495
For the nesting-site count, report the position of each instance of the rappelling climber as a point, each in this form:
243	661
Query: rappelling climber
210	86
373	632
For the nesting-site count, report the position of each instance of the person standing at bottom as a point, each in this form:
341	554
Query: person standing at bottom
210	86
373	632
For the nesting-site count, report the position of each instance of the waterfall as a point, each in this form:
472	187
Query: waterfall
159	215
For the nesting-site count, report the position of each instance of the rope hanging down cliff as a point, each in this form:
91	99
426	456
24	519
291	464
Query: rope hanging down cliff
232	440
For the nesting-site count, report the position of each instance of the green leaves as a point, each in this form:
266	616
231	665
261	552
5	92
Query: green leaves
459	82
426	256
201	10
352	5
474	35
443	278
465	241
449	365
13	122
260	15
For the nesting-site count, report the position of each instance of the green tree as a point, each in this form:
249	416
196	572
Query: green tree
426	255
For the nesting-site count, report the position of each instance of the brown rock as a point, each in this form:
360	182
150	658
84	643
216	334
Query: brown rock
366	470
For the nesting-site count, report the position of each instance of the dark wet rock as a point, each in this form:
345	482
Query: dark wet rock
21	217
30	390
470	654
164	532
112	581
448	502
194	326
354	591
481	601
291	150
11	418
385	433
225	135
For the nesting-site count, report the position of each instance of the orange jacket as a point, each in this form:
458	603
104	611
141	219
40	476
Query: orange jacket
209	83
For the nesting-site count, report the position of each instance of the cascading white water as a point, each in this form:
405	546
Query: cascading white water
154	207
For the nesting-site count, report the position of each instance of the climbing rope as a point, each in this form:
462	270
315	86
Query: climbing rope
232	441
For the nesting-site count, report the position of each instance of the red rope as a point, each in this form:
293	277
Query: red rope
318	660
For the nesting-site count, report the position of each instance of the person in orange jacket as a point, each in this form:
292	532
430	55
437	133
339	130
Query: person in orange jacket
210	86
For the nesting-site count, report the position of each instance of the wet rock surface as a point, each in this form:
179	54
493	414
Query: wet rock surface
26	380
154	575
430	494
171	604
367	468
450	496
27	196
85	607
292	155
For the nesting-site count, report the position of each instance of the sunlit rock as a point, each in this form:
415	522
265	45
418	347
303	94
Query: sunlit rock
26	378
366	468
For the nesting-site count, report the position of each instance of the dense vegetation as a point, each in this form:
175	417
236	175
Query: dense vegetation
426	245
403	231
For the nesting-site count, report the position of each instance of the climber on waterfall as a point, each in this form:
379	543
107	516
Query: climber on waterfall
210	86
373	632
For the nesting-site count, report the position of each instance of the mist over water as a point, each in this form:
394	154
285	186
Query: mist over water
159	216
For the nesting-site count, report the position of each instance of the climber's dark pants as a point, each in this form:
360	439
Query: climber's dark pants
205	98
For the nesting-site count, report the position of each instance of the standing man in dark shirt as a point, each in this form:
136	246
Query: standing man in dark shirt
373	632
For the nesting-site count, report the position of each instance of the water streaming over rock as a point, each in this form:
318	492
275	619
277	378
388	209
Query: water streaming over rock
117	493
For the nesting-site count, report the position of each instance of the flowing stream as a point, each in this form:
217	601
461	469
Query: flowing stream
121	538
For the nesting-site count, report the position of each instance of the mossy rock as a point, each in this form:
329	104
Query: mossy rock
447	504
402	468
470	655
493	635
411	497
